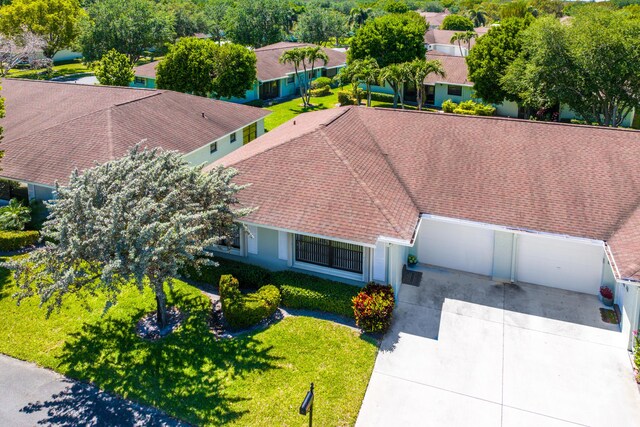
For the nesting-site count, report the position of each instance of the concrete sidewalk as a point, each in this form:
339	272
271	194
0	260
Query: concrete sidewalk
31	396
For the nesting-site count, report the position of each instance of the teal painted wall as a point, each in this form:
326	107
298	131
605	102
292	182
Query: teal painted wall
441	94
148	83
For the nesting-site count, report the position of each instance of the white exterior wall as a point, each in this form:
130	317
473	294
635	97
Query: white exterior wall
627	296
203	154
507	109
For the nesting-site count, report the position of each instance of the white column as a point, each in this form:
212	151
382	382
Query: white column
252	240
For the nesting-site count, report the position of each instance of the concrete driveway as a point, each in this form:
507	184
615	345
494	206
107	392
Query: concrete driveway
464	350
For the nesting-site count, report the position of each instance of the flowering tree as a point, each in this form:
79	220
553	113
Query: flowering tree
141	219
21	47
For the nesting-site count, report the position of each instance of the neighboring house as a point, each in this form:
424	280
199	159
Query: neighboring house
44	142
440	40
275	80
349	192
434	19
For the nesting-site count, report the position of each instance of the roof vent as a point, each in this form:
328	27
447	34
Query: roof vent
203	114
294	122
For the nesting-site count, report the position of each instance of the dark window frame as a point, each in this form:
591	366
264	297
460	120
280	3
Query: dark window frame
232	137
249	133
454	90
329	253
213	147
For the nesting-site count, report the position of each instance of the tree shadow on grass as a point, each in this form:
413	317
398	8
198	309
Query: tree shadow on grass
315	107
83	404
184	374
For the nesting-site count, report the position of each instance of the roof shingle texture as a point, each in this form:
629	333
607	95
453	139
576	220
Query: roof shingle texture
52	128
437	36
268	66
359	173
455	68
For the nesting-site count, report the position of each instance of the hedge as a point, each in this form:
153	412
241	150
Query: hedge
321	91
242	311
15	240
250	276
314	293
320	82
381	97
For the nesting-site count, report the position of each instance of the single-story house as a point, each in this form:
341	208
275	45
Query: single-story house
440	40
52	128
275	80
350	192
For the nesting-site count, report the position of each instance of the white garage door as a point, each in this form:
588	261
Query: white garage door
456	246
563	264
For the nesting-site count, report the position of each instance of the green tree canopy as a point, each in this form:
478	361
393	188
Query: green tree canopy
141	219
558	64
129	26
201	67
492	54
215	12
56	21
114	69
257	23
317	25
188	17
457	23
390	39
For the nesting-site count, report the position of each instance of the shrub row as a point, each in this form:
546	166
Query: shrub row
314	293
373	307
250	276
242	311
15	240
468	108
322	91
321	82
381	97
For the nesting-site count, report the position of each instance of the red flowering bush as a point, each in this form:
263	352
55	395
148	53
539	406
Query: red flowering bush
373	307
606	292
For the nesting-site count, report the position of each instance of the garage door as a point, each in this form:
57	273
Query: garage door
563	264
456	246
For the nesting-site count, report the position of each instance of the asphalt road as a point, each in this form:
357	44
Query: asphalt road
33	396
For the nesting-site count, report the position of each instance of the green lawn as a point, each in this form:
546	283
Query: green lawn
254	380
58	71
285	111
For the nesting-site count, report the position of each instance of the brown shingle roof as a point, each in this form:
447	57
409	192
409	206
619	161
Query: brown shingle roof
360	173
270	68
455	68
434	18
436	36
147	70
267	65
52	128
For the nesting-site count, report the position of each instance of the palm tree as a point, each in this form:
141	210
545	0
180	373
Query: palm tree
395	75
294	57
358	16
361	71
479	17
310	56
463	36
420	69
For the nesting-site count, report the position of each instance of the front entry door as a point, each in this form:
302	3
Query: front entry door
430	94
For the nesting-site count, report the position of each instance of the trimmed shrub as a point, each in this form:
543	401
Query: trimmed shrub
39	213
346	98
242	311
250	276
373	307
323	91
321	82
448	106
485	110
15	240
381	97
314	293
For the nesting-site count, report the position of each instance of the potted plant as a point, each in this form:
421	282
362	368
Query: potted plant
412	260
606	295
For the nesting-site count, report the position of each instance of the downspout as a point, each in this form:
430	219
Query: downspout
514	253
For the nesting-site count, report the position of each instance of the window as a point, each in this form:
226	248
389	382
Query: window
213	147
454	90
249	133
290	79
140	80
331	72
232	137
234	241
329	253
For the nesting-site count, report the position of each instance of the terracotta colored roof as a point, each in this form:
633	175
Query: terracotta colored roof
358	173
455	68
270	68
267	64
434	18
147	70
436	36
52	128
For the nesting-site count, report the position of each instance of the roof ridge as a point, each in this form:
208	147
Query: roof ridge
512	119
370	193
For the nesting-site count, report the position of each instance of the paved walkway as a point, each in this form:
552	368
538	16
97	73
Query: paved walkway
465	351
31	396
